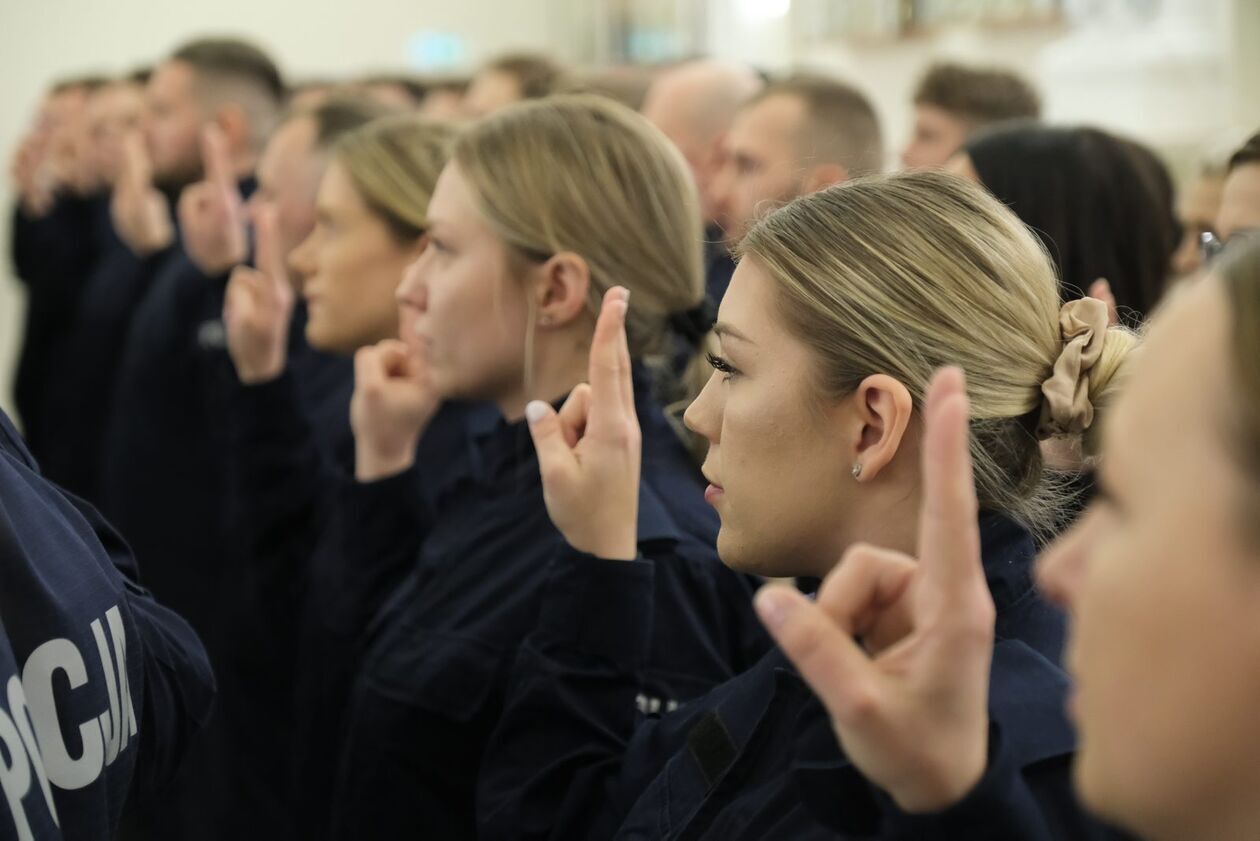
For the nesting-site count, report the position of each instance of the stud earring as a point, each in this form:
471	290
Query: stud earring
857	470
544	320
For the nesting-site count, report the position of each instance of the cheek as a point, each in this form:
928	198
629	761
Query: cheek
779	482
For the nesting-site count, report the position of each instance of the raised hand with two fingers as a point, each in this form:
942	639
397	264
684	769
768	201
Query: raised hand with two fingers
212	212
140	213
589	453
258	306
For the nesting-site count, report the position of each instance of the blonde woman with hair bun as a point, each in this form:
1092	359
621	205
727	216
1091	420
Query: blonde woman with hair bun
844	305
543	207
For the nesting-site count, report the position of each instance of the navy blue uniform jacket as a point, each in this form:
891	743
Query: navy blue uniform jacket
756	757
435	671
102	686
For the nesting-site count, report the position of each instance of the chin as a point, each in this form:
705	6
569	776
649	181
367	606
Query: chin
749	558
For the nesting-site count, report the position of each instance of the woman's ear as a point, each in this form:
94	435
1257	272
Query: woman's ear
561	288
884	407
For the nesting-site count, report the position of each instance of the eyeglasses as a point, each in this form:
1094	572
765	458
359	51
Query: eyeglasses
1211	246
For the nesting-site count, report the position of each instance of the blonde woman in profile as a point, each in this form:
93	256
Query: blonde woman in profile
843	305
1160	576
542	208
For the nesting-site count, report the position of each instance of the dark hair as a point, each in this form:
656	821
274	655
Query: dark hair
415	88
87	84
339	115
842	123
139	76
537	75
230	58
982	95
1249	153
1102	205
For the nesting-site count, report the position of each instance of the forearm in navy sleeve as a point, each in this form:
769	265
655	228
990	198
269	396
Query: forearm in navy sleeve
285	485
179	685
552	767
1009	803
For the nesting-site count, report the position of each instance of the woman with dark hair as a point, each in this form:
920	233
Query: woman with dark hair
1101	204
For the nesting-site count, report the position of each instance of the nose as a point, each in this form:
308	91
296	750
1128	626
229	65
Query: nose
412	289
301	260
704	415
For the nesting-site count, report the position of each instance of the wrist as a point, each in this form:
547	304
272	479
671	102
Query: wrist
954	779
373	461
622	549
257	374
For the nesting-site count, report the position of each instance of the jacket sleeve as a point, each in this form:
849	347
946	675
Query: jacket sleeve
285	485
179	685
582	735
1009	803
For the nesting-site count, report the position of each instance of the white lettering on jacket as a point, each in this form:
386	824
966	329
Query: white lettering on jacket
30	727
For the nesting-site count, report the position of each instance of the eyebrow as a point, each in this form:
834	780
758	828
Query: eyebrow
722	329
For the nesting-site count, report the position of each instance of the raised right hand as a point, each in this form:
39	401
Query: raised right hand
258	307
394	400
212	212
141	214
589	453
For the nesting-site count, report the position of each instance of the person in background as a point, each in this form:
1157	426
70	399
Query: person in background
267	564
694	104
163	482
512	78
953	101
1239	216
543	206
58	231
341	253
1198	205
1101	204
399	91
795	137
444	98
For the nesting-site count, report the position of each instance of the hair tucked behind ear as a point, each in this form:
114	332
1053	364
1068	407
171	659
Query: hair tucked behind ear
394	163
902	274
583	174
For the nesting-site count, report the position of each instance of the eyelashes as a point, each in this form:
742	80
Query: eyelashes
721	365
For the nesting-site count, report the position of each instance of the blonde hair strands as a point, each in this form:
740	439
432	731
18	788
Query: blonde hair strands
902	274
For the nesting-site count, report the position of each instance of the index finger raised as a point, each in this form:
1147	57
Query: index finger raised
610	358
949	535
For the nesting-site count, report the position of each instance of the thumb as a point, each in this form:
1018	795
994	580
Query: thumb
829	659
555	457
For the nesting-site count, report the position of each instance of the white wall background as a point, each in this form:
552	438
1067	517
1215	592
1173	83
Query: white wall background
1186	76
47	39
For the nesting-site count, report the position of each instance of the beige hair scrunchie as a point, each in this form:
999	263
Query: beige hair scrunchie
1066	409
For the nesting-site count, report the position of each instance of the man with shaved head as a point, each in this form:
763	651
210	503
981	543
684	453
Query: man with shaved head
694	104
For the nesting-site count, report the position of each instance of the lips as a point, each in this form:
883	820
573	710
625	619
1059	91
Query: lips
713	492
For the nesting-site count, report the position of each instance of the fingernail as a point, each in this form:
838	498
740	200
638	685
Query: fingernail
535	411
774	604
